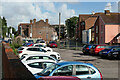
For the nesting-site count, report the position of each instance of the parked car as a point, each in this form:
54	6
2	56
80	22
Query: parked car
37	50
86	48
95	49
36	66
26	58
52	44
30	41
115	53
42	42
59	78
104	53
43	47
81	70
28	44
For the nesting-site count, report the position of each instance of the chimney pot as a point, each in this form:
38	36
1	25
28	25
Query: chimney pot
107	12
30	21
47	21
34	21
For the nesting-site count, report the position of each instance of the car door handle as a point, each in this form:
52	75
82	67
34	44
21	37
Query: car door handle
88	77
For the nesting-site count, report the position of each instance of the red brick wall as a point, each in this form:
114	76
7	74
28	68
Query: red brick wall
12	67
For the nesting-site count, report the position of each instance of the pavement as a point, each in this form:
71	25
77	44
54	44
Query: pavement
108	68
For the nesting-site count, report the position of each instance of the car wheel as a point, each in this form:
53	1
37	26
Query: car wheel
110	56
53	56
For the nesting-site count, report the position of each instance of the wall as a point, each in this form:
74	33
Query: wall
13	69
110	32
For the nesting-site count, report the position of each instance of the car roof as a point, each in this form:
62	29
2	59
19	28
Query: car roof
74	62
39	60
36	55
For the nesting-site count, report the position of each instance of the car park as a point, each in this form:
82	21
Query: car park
59	78
43	47
52	44
95	49
37	50
86	48
84	71
36	66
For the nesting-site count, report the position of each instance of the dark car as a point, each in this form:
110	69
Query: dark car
97	48
86	49
104	53
52	44
115	53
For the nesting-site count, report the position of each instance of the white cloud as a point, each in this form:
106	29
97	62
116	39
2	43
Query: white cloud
112	7
16	13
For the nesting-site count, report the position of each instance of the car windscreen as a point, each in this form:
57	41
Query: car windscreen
52	42
20	48
42	41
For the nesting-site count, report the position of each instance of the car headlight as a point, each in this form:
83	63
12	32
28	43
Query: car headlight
58	54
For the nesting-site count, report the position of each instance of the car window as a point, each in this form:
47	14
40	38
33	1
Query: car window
35	49
92	71
30	49
36	65
33	57
20	48
64	71
81	70
94	46
41	50
40	65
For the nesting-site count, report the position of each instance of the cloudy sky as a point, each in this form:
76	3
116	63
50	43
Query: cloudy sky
17	12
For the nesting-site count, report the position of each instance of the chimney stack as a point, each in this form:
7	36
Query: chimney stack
107	12
46	21
30	21
34	21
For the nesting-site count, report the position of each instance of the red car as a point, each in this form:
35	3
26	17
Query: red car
97	48
59	78
52	44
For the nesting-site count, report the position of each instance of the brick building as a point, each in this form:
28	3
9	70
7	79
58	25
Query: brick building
105	27
40	29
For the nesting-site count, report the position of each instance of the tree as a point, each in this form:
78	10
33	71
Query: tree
71	24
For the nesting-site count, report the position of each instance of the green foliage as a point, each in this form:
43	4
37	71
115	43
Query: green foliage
71	26
14	50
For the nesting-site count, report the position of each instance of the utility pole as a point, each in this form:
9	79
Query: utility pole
59	27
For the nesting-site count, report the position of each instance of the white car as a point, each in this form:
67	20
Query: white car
42	42
29	57
37	50
43	47
36	66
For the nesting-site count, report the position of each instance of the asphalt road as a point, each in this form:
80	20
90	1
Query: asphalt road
108	68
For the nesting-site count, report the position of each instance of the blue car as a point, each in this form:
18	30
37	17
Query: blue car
104	53
86	48
84	71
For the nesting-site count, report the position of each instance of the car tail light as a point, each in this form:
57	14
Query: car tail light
19	51
100	75
87	48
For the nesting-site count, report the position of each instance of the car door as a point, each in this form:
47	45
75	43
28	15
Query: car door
64	71
84	72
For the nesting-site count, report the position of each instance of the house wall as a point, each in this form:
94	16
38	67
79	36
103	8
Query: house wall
110	32
42	30
100	36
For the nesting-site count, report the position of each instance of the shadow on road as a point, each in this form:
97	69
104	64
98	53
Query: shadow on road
78	53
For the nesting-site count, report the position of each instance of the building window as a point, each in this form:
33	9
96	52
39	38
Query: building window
96	40
96	29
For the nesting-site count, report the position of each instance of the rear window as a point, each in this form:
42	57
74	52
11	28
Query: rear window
20	48
52	42
94	46
42	41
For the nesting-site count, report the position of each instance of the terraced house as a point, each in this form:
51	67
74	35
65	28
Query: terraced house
100	28
37	29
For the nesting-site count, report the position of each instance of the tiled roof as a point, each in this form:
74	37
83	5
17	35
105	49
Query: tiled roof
90	22
112	18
